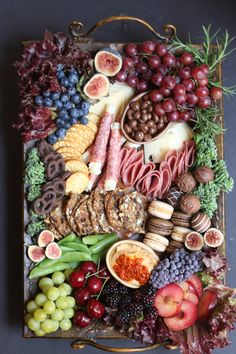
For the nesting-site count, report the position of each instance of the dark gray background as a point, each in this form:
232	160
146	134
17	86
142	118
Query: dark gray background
27	19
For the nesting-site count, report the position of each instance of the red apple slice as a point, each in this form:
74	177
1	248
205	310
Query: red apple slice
196	283
206	305
168	300
188	295
193	298
185	318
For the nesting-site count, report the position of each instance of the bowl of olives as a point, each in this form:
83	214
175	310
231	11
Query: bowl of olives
140	123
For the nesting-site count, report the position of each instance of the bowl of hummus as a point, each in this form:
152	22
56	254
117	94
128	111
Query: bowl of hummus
131	262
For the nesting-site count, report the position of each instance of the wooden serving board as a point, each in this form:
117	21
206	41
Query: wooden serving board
99	330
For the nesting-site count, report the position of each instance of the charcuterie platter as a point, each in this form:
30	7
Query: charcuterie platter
124	177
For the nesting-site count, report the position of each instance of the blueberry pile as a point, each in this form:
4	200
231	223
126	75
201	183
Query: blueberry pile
177	268
69	105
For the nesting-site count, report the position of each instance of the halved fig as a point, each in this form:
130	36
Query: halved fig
36	253
108	62
45	237
53	251
213	237
97	87
194	241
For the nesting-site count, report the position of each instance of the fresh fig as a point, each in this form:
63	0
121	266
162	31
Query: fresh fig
97	87
45	237
108	62
36	253
194	241
213	237
53	251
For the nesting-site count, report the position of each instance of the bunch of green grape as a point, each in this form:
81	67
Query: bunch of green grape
52	308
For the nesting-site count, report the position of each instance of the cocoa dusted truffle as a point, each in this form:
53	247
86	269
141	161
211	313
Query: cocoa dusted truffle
204	174
189	204
186	182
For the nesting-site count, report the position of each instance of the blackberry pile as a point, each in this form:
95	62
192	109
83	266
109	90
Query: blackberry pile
176	268
130	303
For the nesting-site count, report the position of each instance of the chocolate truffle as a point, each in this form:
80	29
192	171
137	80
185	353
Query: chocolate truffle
189	204
186	182
200	222
204	174
173	197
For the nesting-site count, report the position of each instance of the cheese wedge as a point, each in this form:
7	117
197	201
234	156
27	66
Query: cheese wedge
171	139
119	96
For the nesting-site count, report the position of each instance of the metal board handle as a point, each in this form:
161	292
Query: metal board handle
81	343
76	28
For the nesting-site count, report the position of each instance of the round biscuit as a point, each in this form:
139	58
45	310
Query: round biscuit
94	118
75	165
76	183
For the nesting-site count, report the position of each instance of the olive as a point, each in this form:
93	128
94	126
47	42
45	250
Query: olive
137	115
132	134
150	109
142	127
149	115
127	128
152	130
139	136
133	123
146	97
149	102
135	106
155	118
147	137
144	117
143	111
150	123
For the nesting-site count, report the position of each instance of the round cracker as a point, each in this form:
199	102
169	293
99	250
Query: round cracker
74	165
76	183
94	118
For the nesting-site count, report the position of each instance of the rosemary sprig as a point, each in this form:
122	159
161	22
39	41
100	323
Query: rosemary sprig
206	121
215	48
228	91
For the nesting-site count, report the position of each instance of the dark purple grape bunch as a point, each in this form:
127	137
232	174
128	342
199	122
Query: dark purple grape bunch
68	104
177	83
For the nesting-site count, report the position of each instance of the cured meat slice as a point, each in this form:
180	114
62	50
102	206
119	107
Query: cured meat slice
190	148
166	178
113	159
98	153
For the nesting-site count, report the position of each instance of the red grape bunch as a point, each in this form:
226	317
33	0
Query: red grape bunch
177	84
88	282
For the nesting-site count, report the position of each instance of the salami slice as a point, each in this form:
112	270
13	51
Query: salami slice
113	158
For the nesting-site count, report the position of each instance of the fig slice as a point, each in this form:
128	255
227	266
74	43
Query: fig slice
108	62
45	237
36	253
213	237
194	241
53	251
97	87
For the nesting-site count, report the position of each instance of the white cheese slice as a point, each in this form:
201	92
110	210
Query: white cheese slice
119	96
171	139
